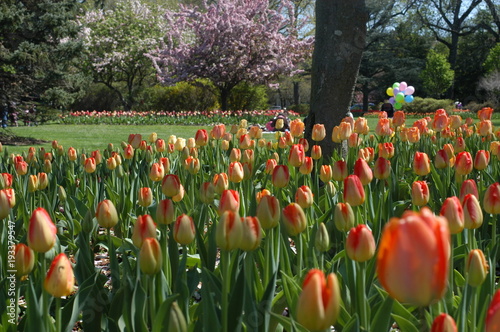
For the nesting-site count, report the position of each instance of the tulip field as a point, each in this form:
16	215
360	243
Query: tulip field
230	231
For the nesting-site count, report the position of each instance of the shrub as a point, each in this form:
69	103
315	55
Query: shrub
99	98
248	97
302	109
474	106
428	105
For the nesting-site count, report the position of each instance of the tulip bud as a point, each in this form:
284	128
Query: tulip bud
296	155
221	182
170	186
419	244
297	128
235	172
90	165
452	210
382	168
165	162
281	176
473	214
251	234
476	268
61	193
307	166
363	171
7	180
481	160
444	323
420	193
106	214
184	230
72	154
235	155
325	173
229	230
24	259
322	239
304	197
270	165
150	256
144	227
21	167
42	232
354	193
43	181
360	244
176	320
463	163
157	172
60	279
229	201
491	202
339	170
493	314
207	192
165	212
318	132
294	219
145	197
268	212
4	204
421	163
318	305
343	217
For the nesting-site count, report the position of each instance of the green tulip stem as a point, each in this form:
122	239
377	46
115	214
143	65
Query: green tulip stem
494	232
167	271
152	297
18	293
299	247
45	303
473	309
58	314
470	233
361	294
226	286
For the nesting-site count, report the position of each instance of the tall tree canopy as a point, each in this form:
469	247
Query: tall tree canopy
115	45
37	51
229	42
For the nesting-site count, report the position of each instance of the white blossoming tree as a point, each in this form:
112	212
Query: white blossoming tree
228	42
116	41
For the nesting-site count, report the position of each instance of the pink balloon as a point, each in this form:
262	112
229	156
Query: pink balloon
409	90
402	86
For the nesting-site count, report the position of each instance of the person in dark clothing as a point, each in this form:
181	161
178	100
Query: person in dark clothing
388	108
5	115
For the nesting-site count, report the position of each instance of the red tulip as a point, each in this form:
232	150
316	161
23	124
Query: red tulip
42	232
165	212
268	211
184	230
452	210
229	231
363	171
229	201
251	234
354	193
421	163
493	314
382	168
463	163
360	244
144	227
444	323
491	202
296	155
304	197
281	176
170	186
294	219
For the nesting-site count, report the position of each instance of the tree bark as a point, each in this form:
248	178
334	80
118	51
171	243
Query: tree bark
340	40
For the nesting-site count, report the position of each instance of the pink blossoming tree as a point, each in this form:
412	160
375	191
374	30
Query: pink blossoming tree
228	42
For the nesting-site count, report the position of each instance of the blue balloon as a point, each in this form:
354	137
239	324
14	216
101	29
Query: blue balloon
408	98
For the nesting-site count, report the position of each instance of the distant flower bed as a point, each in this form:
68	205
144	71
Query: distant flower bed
169	118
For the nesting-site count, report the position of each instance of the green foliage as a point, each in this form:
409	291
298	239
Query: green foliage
437	75
492	62
474	106
428	105
183	96
302	109
246	96
97	98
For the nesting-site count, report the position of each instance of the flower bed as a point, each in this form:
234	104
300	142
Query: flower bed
226	230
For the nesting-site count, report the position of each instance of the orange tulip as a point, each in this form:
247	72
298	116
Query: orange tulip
106	214
268	211
398	119
5	204
144	227
42	232
229	231
485	113
251	234
297	128
463	163
383	127
363	171
491	202
32	183
354	141
354	193
207	192
336	135
235	172
60	279
361	126
459	144
304	197
111	163
184	230
485	128
128	152
294	219
345	130
145	196
476	268
229	201
157	172
318	305
444	323
360	244
343	217
386	150
304	143
414	134
339	170
170	185
21	167
441	120
382	168
421	163
481	160
165	212
420	193
473	214
280	176
318	132
468	187
325	173
218	131
24	259
296	155
413	257
201	137
221	182
150	256
452	210
493	314
7	180
270	165
72	155
307	166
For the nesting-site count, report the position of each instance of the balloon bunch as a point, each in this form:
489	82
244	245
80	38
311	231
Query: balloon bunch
400	93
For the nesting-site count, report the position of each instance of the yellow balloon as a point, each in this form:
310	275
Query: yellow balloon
390	92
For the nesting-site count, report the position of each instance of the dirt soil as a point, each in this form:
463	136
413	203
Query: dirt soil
8	138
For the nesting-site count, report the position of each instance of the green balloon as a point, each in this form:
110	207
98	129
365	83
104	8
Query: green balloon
395	85
400	97
398	106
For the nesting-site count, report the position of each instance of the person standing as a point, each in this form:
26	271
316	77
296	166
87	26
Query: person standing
388	108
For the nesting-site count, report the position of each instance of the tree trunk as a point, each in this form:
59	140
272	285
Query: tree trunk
224	96
339	44
296	93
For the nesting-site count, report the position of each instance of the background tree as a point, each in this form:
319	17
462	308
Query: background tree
229	42
38	50
437	75
339	43
115	43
